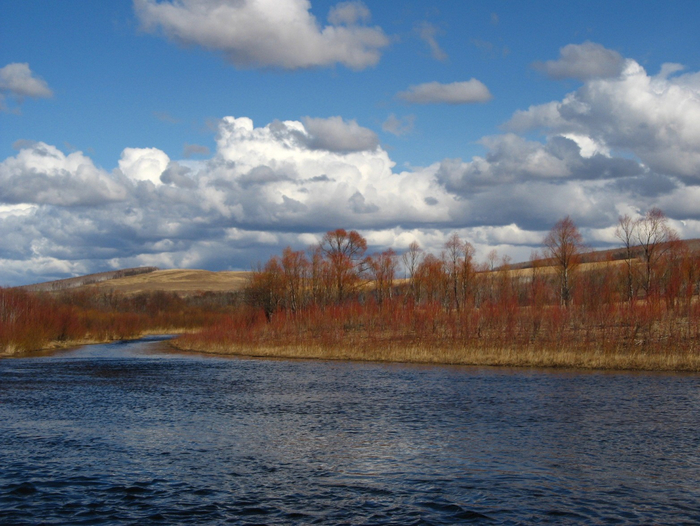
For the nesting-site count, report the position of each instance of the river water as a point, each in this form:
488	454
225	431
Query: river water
128	433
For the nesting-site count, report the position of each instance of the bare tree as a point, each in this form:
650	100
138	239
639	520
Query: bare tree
655	238
564	244
459	255
266	287
382	270
411	261
492	260
296	268
626	232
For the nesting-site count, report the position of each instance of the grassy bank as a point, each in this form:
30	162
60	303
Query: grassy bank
502	357
625	337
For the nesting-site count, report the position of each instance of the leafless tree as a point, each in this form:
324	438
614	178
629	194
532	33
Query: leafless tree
655	238
564	244
458	259
411	261
382	270
626	232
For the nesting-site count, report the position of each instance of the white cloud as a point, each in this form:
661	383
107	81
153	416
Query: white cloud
268	33
278	174
287	182
656	118
18	80
42	174
512	160
143	164
466	92
583	61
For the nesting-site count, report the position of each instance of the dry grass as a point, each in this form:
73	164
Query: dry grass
179	281
462	355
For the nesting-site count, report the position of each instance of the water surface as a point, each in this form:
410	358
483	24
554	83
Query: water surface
127	433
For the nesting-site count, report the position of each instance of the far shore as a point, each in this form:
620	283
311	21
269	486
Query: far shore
498	357
392	352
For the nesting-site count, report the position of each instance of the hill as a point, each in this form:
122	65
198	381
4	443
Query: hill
88	279
150	279
183	282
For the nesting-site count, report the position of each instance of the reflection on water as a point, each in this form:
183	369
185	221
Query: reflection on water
127	433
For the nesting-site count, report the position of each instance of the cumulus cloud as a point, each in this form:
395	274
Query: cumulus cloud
283	174
512	159
655	118
143	164
268	33
42	174
466	92
287	182
583	61
177	175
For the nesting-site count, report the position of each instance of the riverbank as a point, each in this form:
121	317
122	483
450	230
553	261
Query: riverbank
12	351
531	356
640	336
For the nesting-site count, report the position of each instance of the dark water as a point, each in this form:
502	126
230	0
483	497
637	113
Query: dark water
128	434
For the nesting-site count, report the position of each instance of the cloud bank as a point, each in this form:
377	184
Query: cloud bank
618	144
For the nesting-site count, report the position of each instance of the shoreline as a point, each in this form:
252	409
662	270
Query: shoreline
68	344
572	359
683	361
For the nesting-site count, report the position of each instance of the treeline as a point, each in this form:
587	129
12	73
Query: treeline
656	266
32	321
335	295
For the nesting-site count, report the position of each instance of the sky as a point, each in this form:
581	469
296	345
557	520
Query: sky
211	133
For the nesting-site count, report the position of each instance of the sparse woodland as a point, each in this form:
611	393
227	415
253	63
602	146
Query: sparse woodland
636	308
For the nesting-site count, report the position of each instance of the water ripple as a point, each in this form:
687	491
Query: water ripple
127	434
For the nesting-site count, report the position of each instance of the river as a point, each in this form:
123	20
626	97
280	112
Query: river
129	433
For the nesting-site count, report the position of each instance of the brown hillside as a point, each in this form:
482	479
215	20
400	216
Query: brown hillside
89	279
180	281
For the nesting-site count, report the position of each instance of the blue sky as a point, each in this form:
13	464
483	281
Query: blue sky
115	149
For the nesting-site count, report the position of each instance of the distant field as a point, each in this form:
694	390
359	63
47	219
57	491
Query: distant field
180	281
